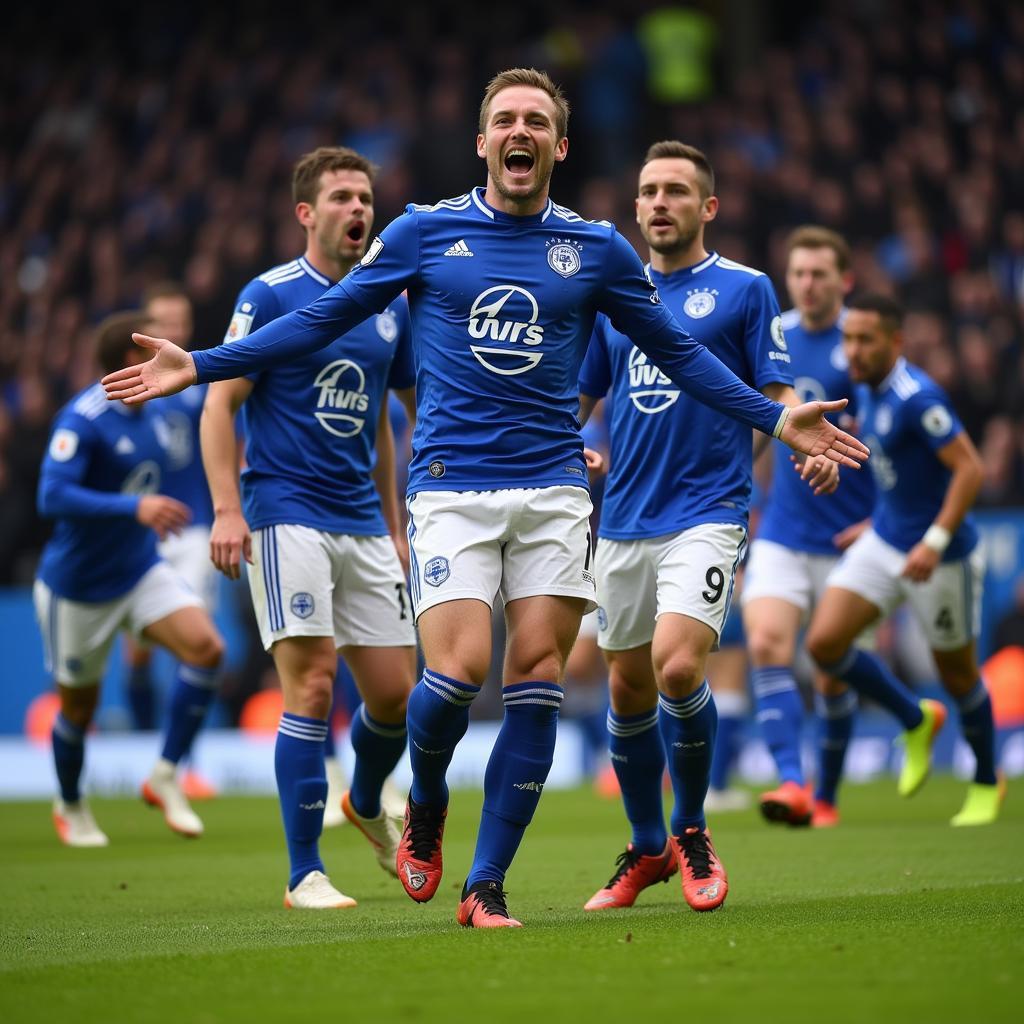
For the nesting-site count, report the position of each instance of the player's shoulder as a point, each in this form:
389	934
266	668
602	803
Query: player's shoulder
740	269
88	405
557	214
293	270
790	319
443	208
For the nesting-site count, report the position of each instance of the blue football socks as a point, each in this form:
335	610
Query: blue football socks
979	731
835	727
870	677
688	728
194	690
638	758
378	747
302	790
68	755
780	713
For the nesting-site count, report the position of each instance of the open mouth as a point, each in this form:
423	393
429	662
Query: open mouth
661	222
356	232
519	161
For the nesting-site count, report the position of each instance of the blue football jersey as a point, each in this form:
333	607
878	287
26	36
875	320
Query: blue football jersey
906	420
793	515
675	462
184	477
502	311
311	423
101	458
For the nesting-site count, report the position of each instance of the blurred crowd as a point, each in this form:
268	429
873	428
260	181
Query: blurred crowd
161	147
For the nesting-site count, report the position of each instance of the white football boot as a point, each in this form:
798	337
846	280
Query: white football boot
162	790
336	786
382	832
76	826
721	800
315	892
393	801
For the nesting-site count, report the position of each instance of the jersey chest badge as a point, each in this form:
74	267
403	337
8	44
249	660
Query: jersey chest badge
564	256
700	303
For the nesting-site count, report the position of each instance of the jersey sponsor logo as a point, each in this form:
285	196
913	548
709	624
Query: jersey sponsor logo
650	390
436	469
809	389
937	421
700	302
436	571
143	479
505	313
778	334
459	249
564	256
63	445
302	604
342	387
376	248
387	325
241	322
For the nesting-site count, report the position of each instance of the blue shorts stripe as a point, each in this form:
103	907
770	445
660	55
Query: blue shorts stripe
277	577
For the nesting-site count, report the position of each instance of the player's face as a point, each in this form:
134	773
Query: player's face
815	283
670	208
520	142
339	221
172	318
871	349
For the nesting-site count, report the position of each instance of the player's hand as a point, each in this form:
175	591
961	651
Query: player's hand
806	430
401	543
821	474
845	538
230	542
162	514
169	371
594	461
921	563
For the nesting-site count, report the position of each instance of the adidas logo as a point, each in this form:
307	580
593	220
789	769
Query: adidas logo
318	806
530	787
124	446
459	249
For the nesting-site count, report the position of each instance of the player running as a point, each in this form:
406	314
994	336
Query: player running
503	289
798	542
673	525
101	572
922	548
326	576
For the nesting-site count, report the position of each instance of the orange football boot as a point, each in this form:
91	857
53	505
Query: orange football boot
484	907
705	885
790	804
418	861
824	815
634	872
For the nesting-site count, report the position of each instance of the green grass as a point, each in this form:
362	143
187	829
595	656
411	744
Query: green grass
893	916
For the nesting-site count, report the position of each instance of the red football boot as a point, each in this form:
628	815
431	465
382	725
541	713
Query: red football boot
705	885
825	815
419	853
484	907
790	804
634	872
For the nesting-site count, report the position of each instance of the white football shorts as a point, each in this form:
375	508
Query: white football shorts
519	542
188	553
77	635
307	582
948	606
797	577
690	573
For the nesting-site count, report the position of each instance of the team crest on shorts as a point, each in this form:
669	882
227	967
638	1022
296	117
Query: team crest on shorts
302	604
700	303
436	571
564	256
436	469
602	619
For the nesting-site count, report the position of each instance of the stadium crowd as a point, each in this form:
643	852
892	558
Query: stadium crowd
162	149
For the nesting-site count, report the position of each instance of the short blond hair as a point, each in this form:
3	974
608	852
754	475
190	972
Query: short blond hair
536	80
813	236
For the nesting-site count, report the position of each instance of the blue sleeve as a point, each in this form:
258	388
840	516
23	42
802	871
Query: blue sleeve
61	494
764	339
634	308
389	264
596	371
403	366
931	418
256	305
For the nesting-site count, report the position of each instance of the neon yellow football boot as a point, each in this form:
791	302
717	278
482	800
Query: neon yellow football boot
981	807
917	744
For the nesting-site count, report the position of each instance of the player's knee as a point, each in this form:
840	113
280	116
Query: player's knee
311	692
207	650
548	667
681	673
826	647
768	646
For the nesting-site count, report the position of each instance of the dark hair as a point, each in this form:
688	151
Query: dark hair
536	80
114	337
306	175
889	311
164	290
670	149
812	236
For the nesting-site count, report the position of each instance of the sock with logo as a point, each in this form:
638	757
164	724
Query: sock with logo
870	677
378	747
194	690
780	713
302	790
516	772
835	727
733	709
141	697
979	730
688	728
638	758
68	756
437	718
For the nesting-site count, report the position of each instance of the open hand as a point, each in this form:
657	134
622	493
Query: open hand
806	430
169	371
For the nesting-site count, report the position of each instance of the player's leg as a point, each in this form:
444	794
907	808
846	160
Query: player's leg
455	551
864	586
190	635
948	608
776	598
835	705
727	673
139	689
76	641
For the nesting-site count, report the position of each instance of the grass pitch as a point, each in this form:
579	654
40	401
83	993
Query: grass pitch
894	916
